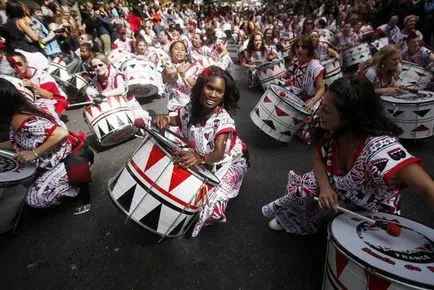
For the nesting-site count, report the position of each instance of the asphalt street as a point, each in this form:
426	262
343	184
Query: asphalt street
53	249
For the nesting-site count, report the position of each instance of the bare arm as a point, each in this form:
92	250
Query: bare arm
25	27
328	198
413	175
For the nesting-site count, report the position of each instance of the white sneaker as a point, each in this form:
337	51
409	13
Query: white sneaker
274	225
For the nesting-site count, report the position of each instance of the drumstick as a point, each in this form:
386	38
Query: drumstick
391	228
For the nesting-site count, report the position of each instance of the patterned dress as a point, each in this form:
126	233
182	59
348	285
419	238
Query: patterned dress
230	170
322	51
368	185
47	82
52	181
420	57
371	74
304	76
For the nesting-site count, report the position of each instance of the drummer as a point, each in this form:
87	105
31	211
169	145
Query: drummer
306	73
144	52
110	82
347	38
359	164
36	137
409	25
40	82
322	50
416	53
383	70
206	123
255	55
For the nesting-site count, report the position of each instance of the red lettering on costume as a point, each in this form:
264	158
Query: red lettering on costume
379	257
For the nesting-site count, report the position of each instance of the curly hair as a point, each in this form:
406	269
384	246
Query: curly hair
361	110
13	102
251	44
230	98
381	57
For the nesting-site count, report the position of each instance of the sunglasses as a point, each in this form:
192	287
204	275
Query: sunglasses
18	63
98	65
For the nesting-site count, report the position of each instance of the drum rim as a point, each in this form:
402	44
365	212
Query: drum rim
153	133
267	65
126	126
394	100
368	267
16	181
276	85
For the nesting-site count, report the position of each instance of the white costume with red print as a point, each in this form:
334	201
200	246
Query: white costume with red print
385	31
368	185
230	170
399	39
124	45
52	182
111	84
47	82
345	42
304	76
372	76
420	57
322	51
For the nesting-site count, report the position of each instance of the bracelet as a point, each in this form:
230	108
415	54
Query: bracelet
35	154
203	158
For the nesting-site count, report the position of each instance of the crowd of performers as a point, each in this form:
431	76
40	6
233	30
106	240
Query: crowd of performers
189	64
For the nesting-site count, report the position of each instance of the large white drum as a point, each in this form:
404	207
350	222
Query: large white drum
18	83
13	178
159	195
279	113
414	113
361	256
380	43
415	76
142	76
112	120
270	73
333	70
357	54
117	57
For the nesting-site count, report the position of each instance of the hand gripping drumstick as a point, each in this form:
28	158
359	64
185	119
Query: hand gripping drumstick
391	228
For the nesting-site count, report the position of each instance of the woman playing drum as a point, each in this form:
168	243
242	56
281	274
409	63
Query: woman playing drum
255	55
306	72
383	69
37	137
322	50
416	53
359	162
110	82
206	123
144	52
43	85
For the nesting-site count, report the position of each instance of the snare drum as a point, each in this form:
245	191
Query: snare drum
363	256
58	72
415	76
333	70
13	177
380	43
414	113
269	73
326	36
117	57
279	113
75	88
142	76
157	194
18	83
357	54
112	121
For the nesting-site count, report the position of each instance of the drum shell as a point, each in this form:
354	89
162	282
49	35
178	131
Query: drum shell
333	71
276	117
380	43
344	270
157	194
415	118
112	121
415	76
11	201
356	54
270	73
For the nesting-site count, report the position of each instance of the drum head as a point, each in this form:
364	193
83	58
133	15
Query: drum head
410	98
408	258
289	96
169	147
142	91
11	171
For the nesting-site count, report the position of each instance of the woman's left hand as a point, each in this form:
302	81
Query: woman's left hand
25	156
310	104
188	159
